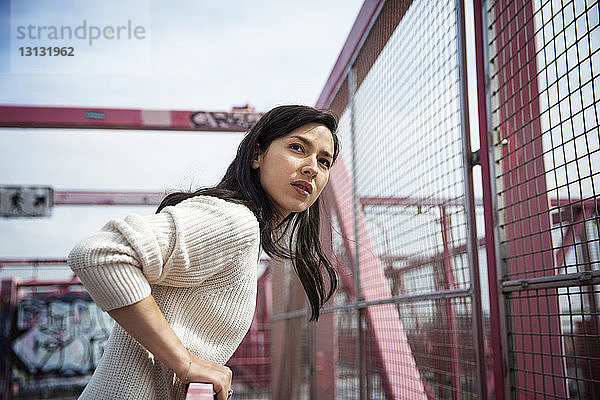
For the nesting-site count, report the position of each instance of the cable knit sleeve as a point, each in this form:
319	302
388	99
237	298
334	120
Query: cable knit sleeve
181	246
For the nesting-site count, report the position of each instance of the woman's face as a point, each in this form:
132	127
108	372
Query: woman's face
294	169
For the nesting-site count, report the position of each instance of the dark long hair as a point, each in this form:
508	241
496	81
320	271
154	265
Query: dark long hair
241	184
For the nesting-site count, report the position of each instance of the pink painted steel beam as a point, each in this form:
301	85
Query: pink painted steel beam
419	261
31	261
237	120
569	209
38	283
488	203
593	203
199	391
83	197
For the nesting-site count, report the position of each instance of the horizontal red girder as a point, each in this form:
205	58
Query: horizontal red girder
31	261
37	283
82	197
115	118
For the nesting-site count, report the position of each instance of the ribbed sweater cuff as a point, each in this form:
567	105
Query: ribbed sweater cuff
115	286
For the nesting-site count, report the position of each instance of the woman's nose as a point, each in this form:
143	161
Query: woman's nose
310	166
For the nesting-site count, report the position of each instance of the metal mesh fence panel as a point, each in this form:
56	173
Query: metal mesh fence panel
404	320
348	371
408	175
544	76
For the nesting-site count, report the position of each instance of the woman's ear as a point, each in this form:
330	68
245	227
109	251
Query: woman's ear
256	158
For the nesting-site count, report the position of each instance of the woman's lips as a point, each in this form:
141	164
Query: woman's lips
301	189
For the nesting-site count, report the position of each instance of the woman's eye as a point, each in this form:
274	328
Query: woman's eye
326	163
297	147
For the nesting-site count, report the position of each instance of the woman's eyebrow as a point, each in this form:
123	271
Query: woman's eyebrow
309	143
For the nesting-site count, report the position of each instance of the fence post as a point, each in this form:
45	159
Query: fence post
486	161
472	242
362	375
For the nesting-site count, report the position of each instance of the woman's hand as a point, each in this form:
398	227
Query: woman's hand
204	371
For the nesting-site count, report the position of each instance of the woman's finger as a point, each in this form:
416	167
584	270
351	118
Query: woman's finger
227	386
222	395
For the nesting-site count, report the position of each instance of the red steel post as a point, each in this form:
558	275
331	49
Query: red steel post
488	202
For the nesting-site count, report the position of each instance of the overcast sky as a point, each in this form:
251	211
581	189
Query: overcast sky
194	55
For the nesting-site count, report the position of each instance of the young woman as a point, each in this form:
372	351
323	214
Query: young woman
181	283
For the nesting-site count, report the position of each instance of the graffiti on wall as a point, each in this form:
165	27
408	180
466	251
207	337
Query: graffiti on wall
58	341
216	120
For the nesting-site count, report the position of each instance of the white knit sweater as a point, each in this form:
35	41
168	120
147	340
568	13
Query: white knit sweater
199	261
